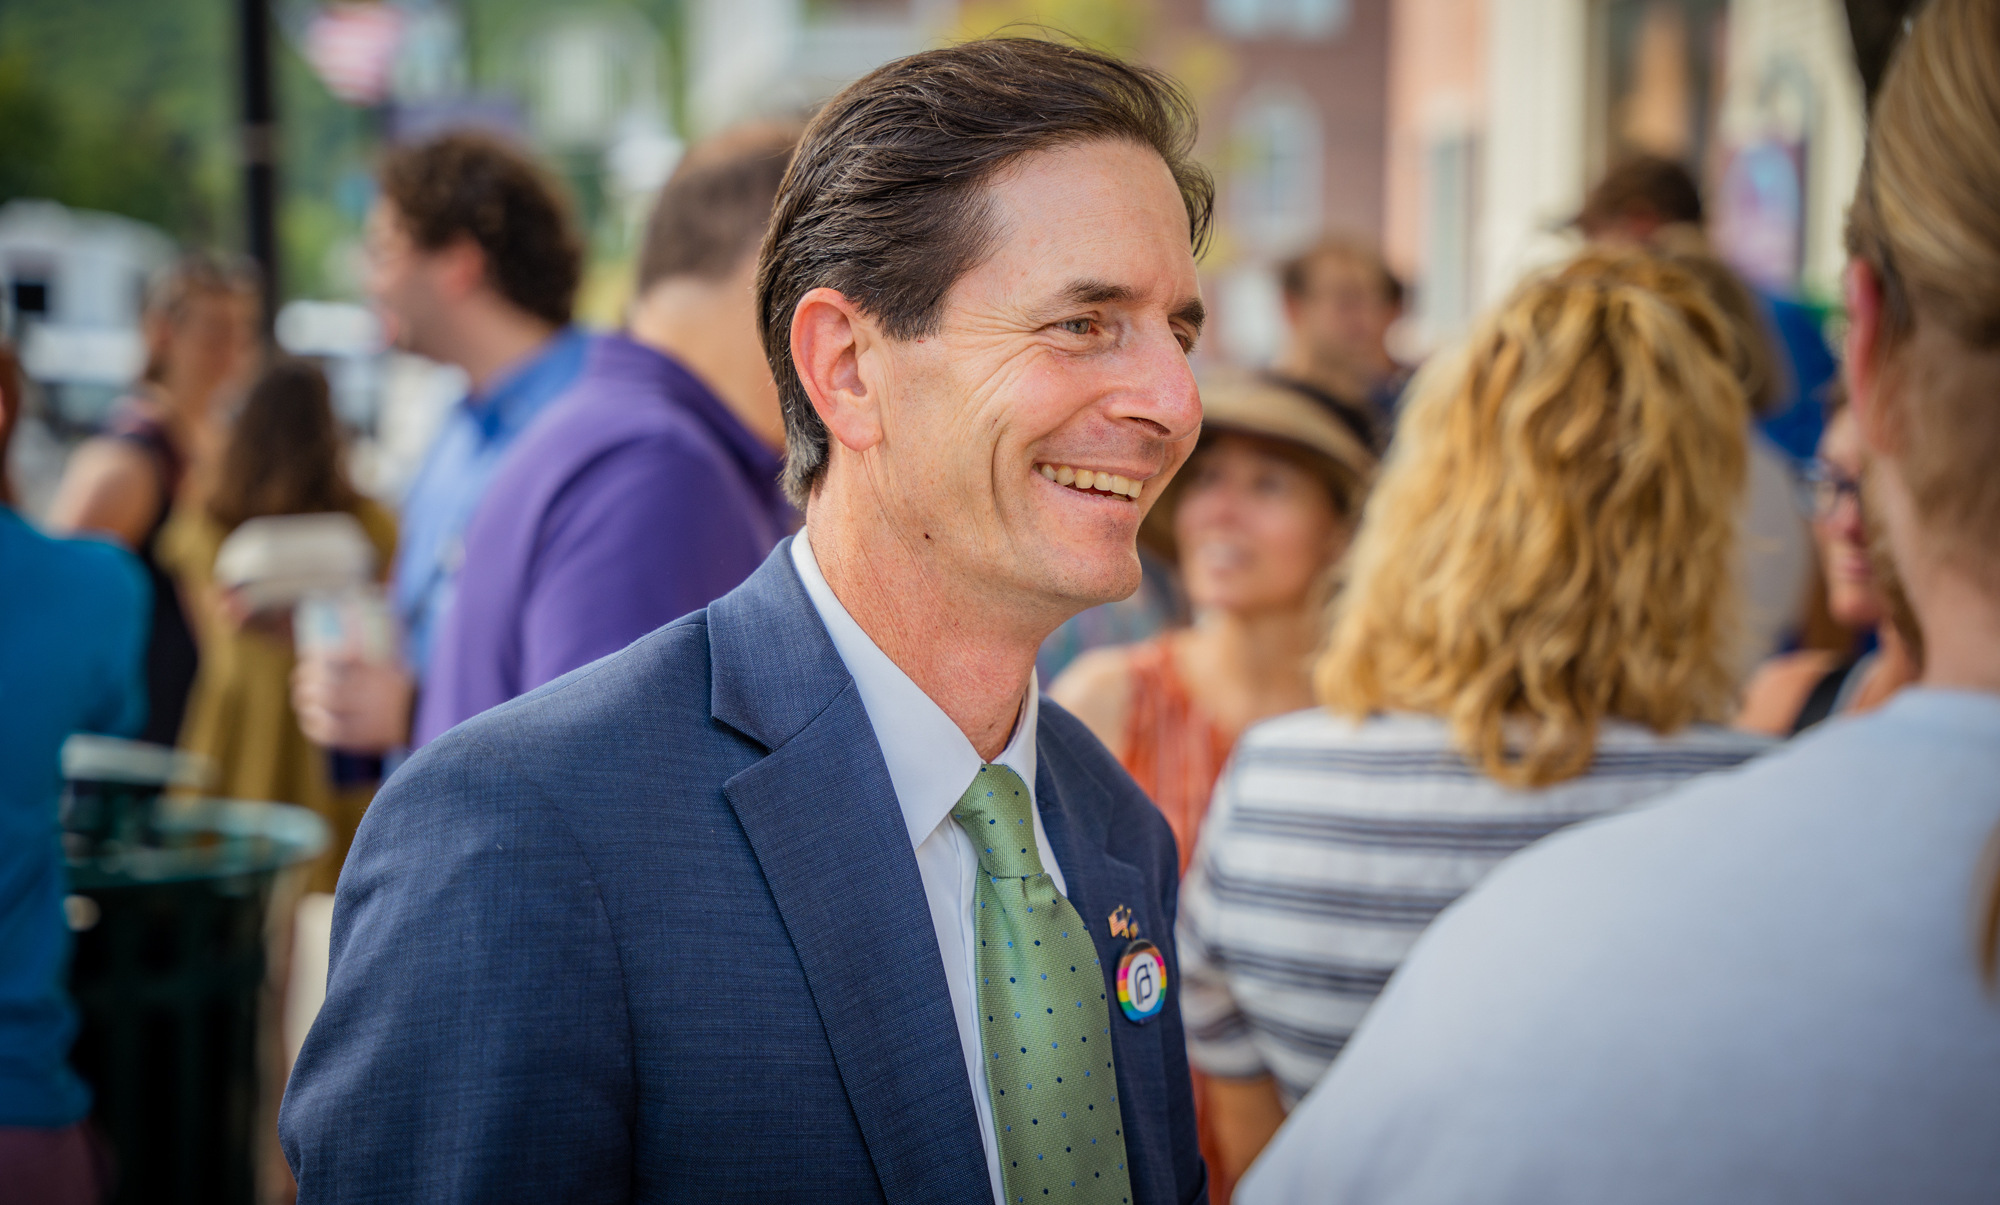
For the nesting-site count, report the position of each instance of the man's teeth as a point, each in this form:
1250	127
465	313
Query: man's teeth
1087	479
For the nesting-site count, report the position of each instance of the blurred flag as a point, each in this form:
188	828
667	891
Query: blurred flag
353	48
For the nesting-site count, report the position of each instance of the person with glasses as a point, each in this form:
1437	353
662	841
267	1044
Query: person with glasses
1794	691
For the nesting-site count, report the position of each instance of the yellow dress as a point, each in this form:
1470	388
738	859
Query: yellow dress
239	712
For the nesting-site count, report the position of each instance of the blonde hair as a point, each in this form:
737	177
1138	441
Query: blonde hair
1926	217
1550	543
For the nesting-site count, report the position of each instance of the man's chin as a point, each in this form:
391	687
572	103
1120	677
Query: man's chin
1090	577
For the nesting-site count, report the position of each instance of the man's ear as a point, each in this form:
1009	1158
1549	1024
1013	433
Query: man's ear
831	340
1860	362
460	266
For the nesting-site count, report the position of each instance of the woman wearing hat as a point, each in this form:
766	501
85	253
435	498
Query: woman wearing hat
1257	521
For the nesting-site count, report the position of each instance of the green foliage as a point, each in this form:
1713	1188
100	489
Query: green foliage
113	105
91	159
325	147
130	106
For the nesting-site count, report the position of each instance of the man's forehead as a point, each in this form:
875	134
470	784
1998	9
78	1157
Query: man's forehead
1093	223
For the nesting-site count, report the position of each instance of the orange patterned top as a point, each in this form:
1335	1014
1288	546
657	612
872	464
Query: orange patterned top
1173	750
1175	753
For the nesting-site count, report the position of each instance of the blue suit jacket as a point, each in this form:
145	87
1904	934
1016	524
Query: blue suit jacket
655	932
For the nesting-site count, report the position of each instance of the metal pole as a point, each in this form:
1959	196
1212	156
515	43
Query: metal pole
260	146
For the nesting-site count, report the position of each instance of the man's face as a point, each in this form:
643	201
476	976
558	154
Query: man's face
400	280
1064	352
1344	318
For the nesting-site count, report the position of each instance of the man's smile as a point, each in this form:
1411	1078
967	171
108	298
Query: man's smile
1093	480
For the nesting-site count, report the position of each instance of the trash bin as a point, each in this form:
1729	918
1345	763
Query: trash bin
168	902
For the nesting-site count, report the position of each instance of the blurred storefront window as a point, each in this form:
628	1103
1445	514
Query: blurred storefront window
1279	18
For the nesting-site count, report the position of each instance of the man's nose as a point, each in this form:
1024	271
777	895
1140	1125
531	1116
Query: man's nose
1161	392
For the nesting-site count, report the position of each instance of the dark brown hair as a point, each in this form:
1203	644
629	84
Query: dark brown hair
1756	365
1295	274
468	185
883	201
283	456
715	209
1644	186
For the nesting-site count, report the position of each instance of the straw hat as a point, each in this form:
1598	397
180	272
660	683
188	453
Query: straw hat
1240	403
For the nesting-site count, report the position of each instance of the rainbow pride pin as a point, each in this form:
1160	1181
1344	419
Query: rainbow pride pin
1142	982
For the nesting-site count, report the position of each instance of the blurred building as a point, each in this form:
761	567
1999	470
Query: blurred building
1294	98
1502	113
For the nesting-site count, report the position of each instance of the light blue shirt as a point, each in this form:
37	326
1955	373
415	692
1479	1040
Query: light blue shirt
1762	988
461	461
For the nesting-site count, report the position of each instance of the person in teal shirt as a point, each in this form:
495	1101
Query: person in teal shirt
74	618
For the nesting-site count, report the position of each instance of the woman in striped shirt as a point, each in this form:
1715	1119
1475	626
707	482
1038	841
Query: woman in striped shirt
1534	632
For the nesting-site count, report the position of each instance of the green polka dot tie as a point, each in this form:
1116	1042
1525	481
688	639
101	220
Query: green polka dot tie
1044	1018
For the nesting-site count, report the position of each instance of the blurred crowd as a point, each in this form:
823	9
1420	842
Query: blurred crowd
1398	623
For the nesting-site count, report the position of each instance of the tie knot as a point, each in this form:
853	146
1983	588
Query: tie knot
994	812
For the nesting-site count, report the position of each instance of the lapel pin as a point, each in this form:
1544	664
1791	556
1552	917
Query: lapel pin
1142	982
1121	923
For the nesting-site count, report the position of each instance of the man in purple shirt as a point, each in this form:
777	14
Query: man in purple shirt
651	488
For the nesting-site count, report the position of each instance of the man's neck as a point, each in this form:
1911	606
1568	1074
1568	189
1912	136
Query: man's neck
711	328
1958	613
491	337
1961	622
949	640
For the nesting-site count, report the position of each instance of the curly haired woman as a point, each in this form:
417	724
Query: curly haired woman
1534	632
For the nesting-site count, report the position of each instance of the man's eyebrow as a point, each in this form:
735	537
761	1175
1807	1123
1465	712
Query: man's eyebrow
1096	292
1192	312
1100	292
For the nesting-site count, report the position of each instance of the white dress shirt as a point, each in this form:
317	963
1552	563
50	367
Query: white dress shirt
931	763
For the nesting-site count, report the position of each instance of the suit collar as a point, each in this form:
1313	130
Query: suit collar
1078	836
820	812
772	667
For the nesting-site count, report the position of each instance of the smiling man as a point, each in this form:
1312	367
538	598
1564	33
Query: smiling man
808	895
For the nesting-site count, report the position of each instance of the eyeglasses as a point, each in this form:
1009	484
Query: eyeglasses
1827	486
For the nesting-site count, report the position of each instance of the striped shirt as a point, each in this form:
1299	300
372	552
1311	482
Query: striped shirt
1331	845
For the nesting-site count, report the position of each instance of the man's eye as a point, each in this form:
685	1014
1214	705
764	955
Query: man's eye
1076	326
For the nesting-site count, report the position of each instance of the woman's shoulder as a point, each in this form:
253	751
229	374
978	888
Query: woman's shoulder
1624	746
83	578
1779	690
1323	728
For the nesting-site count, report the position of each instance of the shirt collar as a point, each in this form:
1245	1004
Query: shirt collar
931	762
516	395
621	357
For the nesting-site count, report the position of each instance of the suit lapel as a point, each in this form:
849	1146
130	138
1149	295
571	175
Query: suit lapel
821	814
1099	883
